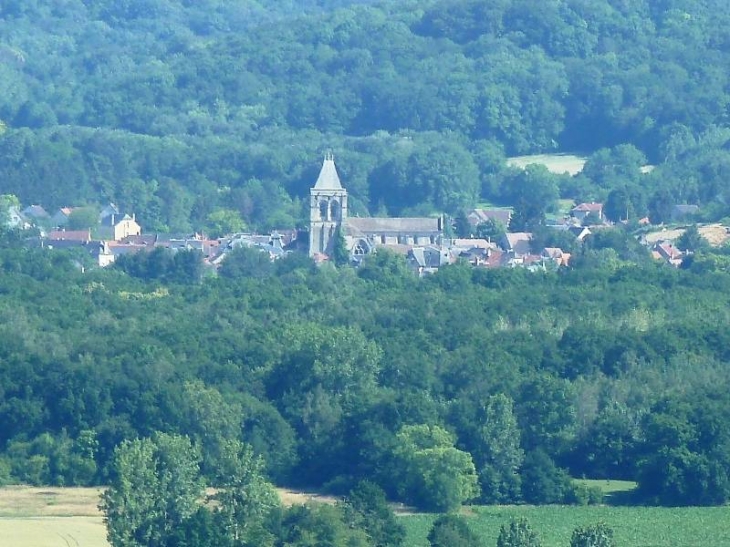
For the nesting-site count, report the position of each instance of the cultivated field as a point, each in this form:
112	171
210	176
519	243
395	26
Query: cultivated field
715	234
70	517
52	532
50	517
633	526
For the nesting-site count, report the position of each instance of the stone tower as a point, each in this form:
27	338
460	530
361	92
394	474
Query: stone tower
327	208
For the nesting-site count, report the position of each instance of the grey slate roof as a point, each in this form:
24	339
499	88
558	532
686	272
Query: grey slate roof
517	242
477	216
35	211
328	178
393	226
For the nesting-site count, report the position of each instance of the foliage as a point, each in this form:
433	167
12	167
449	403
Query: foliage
490	229
543	481
246	262
163	119
212	424
83	218
427	387
518	534
155	488
319	524
692	240
340	254
498	455
161	264
246	499
54	460
224	221
366	508
684	458
434	474
595	535
532	192
452	530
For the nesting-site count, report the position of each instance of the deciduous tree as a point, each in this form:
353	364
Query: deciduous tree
519	533
594	535
434	474
155	487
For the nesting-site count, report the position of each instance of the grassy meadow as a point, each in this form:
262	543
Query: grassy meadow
556	163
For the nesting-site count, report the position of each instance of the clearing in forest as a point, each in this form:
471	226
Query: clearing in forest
556	163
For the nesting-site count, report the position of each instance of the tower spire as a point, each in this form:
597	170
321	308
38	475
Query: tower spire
328	207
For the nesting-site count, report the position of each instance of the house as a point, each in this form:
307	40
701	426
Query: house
109	215
126	227
78	236
328	215
60	217
517	244
580	232
428	259
35	213
555	255
470	243
666	251
582	210
479	216
114	249
495	259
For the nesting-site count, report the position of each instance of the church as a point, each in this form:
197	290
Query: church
328	213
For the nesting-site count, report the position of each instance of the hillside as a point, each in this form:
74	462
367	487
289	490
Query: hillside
176	110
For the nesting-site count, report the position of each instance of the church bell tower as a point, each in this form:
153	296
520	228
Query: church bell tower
327	208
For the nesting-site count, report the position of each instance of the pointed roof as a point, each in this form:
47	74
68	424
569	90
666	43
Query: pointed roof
328	178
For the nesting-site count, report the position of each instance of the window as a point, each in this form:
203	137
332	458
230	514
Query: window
335	210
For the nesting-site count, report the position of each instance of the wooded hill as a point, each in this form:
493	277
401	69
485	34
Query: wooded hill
176	110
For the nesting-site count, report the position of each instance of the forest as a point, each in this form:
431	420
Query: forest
179	111
493	386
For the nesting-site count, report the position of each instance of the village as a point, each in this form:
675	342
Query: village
427	243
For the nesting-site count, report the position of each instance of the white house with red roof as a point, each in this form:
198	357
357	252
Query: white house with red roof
582	210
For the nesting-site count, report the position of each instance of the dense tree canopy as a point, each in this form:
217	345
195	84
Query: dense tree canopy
505	380
211	115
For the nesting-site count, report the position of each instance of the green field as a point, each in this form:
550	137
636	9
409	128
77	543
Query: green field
633	526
